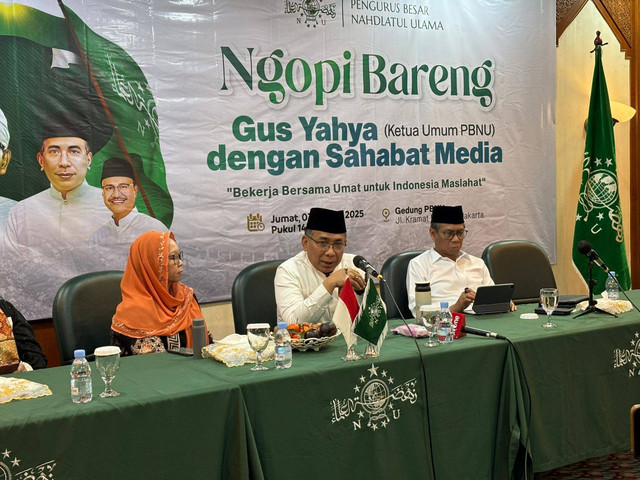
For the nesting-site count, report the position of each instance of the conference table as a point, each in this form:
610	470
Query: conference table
491	409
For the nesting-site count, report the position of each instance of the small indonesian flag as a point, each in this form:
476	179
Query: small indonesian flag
346	311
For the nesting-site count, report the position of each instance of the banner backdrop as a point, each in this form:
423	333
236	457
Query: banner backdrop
239	116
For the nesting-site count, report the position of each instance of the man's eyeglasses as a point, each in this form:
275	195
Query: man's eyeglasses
449	234
123	187
176	257
323	245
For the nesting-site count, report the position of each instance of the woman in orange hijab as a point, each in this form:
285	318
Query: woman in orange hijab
157	311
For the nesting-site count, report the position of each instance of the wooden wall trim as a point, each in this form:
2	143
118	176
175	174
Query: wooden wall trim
617	14
634	239
566	11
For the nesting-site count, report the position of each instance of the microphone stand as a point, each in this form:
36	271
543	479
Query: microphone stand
592	303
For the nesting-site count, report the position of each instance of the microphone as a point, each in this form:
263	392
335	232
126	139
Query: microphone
482	333
362	263
584	248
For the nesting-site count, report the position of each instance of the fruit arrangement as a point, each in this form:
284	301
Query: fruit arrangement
311	330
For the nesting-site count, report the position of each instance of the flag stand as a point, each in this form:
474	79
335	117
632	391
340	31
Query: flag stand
351	355
592	303
371	351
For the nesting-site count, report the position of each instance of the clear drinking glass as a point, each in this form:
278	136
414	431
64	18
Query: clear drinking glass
549	302
258	335
429	316
107	364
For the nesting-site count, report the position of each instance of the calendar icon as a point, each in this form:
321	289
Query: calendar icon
254	223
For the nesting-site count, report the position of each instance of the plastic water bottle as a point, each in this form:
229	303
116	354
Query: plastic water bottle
81	391
283	346
445	324
612	286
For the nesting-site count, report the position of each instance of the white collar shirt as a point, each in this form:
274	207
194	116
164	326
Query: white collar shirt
47	220
448	278
128	229
300	294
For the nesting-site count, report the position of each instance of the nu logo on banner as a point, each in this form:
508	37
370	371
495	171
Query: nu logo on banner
312	11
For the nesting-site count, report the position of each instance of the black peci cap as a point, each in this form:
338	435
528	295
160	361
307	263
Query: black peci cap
325	220
117	167
444	214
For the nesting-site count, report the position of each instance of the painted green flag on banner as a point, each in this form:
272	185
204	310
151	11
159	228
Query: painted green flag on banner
373	318
599	217
44	72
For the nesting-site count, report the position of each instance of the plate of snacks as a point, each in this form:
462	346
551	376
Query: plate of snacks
312	336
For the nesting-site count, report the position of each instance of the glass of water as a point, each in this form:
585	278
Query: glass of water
107	364
549	302
258	335
429	317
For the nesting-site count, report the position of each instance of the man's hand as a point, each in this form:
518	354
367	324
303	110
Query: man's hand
465	299
513	307
357	282
337	279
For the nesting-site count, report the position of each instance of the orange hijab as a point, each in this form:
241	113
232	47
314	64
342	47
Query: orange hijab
147	308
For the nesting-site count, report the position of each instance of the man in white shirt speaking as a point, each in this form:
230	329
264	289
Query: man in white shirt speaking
453	274
307	286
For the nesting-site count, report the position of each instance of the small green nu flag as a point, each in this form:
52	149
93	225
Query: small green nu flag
599	218
372	324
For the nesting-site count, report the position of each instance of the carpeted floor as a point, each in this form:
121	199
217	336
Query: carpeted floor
615	466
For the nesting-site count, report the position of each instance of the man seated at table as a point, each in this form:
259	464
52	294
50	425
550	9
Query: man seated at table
15	329
307	286
453	274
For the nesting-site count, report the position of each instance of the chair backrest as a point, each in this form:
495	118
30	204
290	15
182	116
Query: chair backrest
253	297
394	271
82	312
523	263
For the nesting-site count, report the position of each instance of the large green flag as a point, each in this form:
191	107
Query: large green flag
599	218
372	324
52	63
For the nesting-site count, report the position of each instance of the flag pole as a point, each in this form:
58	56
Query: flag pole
106	108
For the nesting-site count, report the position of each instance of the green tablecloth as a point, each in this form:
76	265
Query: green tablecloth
311	417
172	420
581	392
184	418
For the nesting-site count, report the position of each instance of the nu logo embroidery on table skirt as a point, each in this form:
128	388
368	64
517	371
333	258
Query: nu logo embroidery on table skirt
20	472
628	357
375	401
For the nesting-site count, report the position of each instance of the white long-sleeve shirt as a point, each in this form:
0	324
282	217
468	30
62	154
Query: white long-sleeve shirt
113	241
46	220
46	242
300	294
448	278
